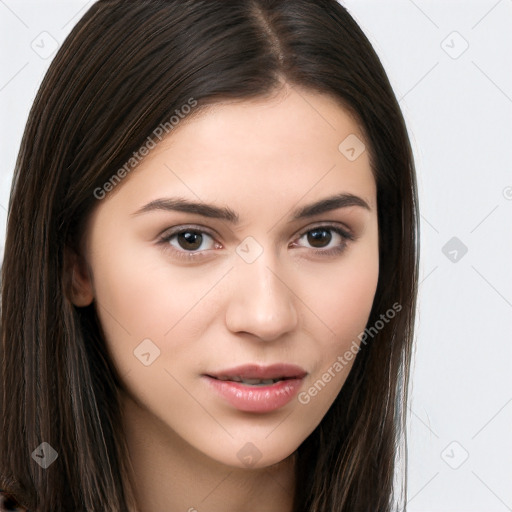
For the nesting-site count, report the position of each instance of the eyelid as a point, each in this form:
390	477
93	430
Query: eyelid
168	232
342	229
347	236
166	235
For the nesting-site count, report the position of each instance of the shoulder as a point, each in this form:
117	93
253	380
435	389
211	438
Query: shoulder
9	504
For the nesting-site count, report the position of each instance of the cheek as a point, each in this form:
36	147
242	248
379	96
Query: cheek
147	307
348	299
342	294
140	296
343	297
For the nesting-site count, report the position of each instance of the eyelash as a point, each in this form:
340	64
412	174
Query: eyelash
194	255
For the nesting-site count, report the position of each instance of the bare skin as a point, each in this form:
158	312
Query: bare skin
303	300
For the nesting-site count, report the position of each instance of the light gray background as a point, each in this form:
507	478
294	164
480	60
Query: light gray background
457	102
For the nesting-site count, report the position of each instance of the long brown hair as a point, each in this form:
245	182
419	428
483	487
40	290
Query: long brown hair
126	67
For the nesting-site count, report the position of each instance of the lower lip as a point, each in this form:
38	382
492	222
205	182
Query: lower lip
256	398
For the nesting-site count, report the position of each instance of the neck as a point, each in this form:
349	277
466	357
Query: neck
169	474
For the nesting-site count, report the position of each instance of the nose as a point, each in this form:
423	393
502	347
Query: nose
262	302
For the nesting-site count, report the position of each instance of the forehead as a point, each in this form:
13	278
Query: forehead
279	148
291	122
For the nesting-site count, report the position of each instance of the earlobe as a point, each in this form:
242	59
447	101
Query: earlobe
79	284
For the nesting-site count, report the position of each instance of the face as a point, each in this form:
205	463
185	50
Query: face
232	325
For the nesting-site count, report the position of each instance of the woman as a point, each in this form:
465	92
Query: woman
210	272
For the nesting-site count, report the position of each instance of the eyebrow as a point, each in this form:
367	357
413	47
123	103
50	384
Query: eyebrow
227	214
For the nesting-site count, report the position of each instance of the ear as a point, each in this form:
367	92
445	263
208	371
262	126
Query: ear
78	279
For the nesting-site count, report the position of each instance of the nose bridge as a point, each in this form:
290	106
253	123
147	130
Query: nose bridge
261	302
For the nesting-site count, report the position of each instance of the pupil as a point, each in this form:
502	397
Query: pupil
315	236
192	240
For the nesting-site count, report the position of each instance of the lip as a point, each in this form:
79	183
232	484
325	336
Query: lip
262	398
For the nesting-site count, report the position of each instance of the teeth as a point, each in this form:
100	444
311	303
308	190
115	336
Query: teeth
259	382
250	382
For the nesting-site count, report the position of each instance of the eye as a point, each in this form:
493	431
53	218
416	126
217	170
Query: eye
327	240
188	242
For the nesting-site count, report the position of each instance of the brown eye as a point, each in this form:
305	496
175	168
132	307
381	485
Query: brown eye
318	238
187	241
326	240
190	240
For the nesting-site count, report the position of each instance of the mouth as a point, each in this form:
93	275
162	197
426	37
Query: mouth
251	382
256	375
254	388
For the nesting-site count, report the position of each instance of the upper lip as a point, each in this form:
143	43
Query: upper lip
255	371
